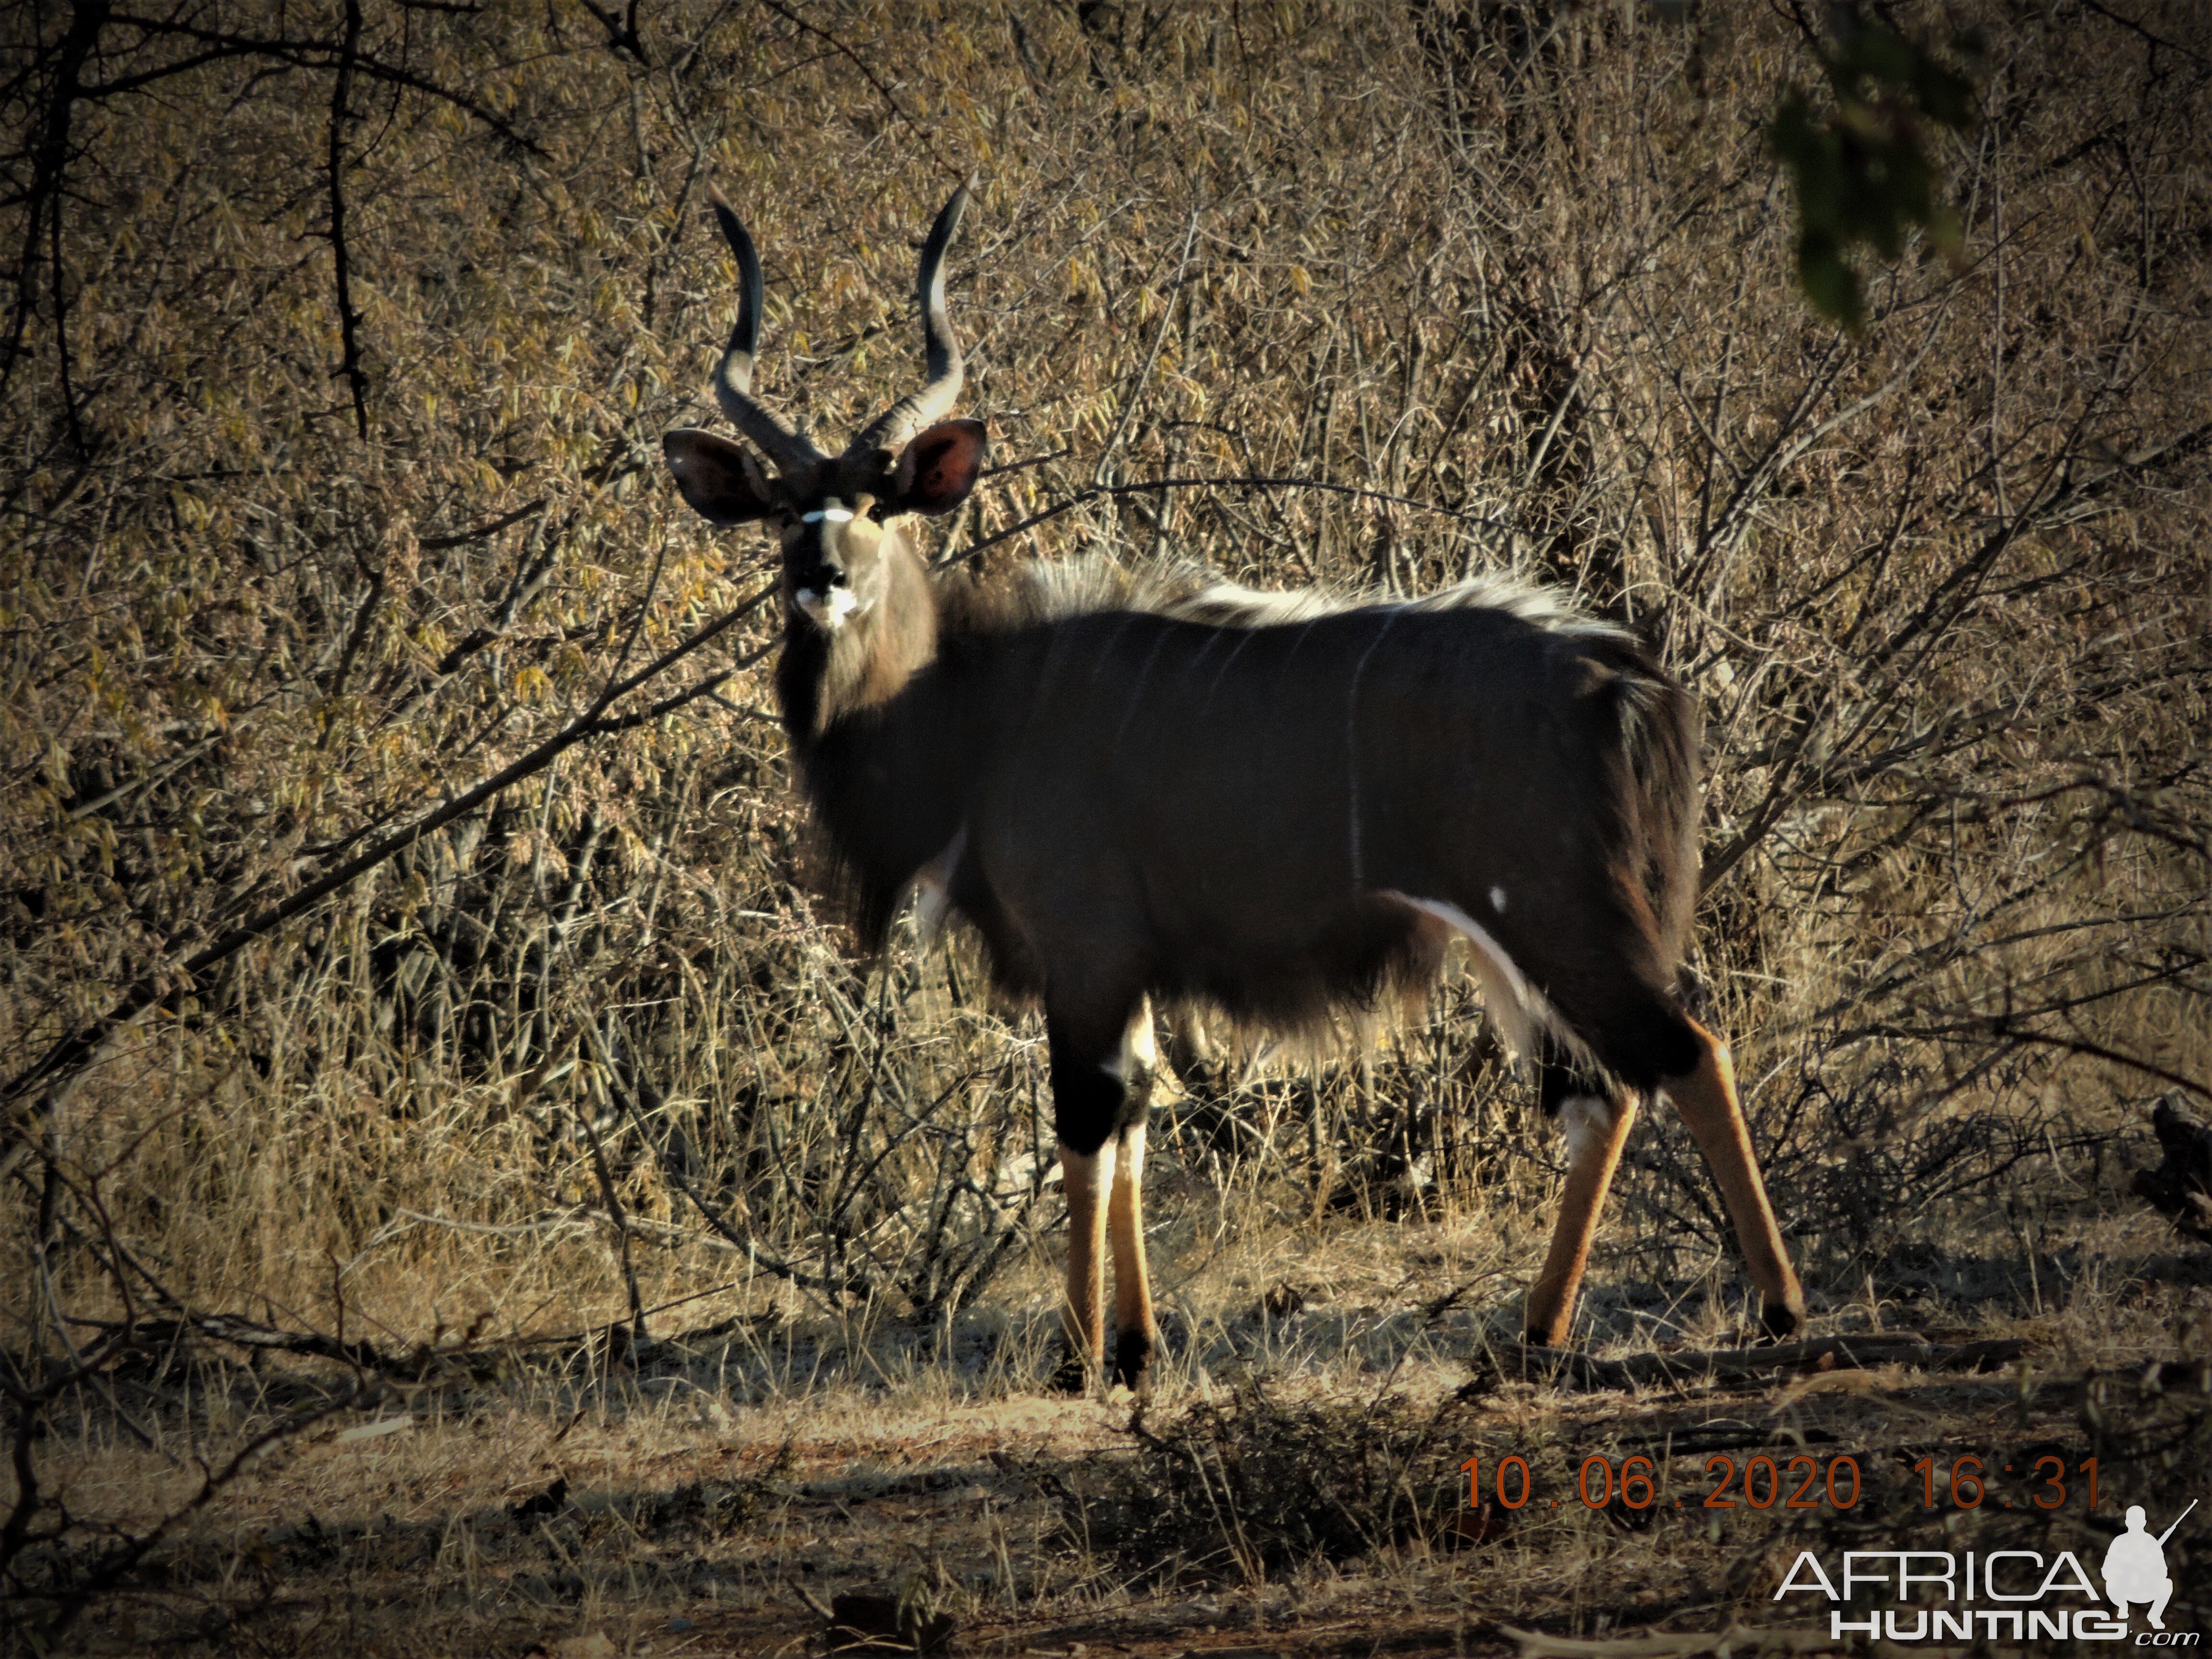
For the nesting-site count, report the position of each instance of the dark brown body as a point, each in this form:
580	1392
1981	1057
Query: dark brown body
1206	810
1278	805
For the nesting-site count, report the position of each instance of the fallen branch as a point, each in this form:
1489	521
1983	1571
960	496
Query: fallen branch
156	1334
112	1569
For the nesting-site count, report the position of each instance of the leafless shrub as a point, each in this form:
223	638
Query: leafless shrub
1245	1487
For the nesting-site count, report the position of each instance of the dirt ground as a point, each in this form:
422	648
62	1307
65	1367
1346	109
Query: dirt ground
1253	1508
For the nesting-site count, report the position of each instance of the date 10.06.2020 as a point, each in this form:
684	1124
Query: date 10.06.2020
1801	1482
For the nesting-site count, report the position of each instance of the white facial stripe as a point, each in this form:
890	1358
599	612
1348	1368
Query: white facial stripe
832	513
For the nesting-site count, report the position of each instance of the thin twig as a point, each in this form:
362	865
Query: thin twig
348	319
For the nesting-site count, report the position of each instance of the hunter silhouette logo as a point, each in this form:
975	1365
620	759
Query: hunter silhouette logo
2135	1567
2014	1595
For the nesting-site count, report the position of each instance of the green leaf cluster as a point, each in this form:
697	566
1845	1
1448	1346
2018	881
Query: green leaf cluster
1864	173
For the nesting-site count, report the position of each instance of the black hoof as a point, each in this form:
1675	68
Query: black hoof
1779	1320
1132	1363
1071	1375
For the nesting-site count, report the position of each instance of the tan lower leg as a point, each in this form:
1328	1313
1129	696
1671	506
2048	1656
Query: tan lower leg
1087	1180
1707	1101
1595	1146
1132	1285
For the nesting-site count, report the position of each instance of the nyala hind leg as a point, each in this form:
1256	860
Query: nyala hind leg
1703	1091
1596	1119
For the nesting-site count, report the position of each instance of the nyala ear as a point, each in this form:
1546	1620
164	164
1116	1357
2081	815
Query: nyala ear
720	478
939	467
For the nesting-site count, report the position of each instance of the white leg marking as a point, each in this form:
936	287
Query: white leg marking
1512	1002
934	883
1133	1281
1587	1122
1088	1181
1129	1168
1093	1173
1139	1054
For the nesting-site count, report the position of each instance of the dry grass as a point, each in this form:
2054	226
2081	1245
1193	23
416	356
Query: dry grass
1299	1486
1299	1505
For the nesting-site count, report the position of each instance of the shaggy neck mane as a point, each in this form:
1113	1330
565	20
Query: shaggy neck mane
1086	587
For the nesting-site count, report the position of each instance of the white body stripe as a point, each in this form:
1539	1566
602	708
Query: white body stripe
1351	746
1137	692
1516	1007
